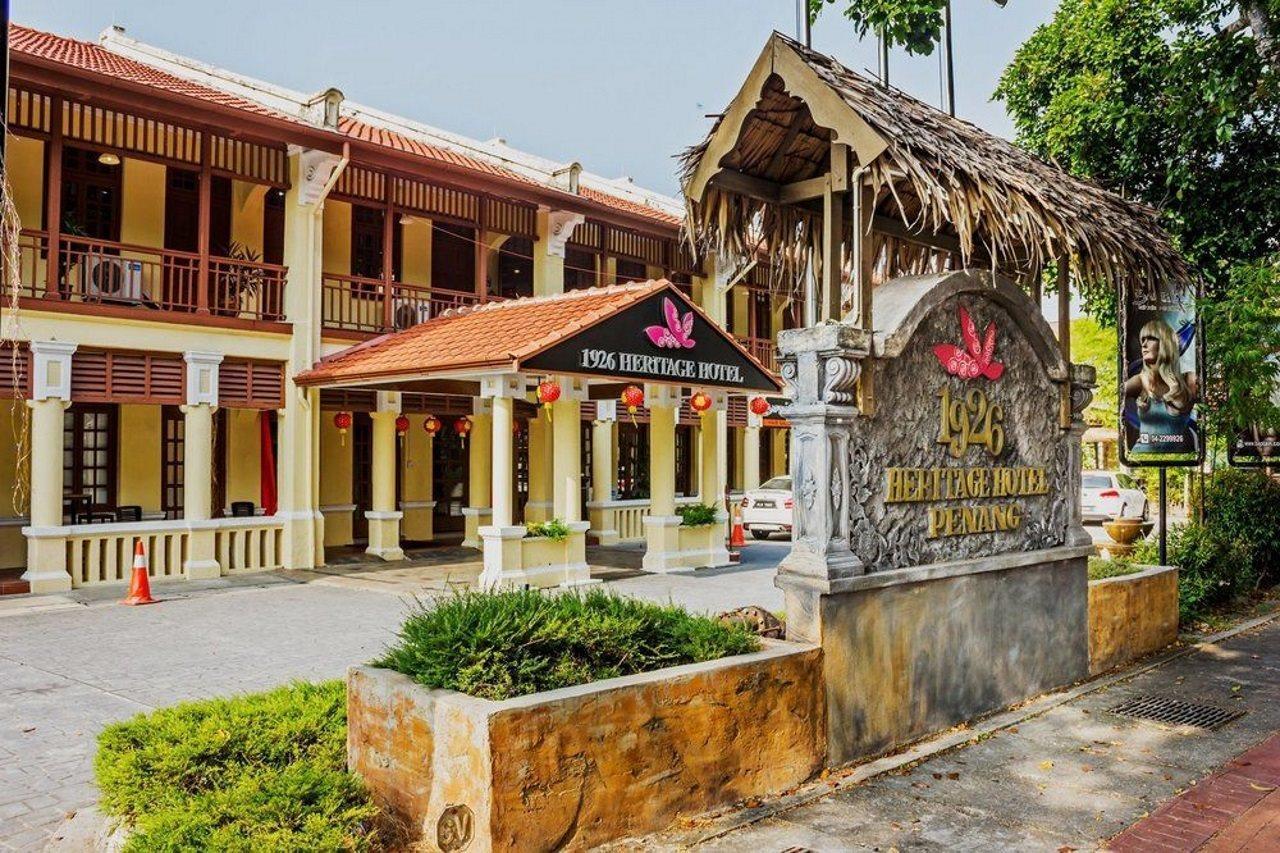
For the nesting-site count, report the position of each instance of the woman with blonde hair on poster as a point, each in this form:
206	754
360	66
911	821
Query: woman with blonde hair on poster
1165	395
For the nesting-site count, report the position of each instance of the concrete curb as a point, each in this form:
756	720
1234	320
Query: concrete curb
723	824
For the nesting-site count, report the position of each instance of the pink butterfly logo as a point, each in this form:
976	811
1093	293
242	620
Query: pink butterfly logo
677	331
976	358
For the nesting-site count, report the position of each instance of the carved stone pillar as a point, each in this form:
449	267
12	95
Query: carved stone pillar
821	365
1083	381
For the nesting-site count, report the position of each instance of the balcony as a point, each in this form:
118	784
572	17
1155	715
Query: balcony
373	306
144	280
764	350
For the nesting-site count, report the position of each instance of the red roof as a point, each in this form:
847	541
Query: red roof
87	56
492	335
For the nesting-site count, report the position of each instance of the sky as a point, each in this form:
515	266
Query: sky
621	86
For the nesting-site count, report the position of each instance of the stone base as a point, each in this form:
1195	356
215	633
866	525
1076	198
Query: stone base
914	651
536	512
46	560
581	766
384	535
513	558
475	517
201	570
672	547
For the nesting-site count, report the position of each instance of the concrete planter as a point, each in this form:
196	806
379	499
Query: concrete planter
513	558
1131	616
580	766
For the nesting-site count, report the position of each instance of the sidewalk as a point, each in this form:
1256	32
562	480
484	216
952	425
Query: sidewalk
1067	779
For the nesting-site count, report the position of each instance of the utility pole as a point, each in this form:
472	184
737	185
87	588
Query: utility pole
883	49
804	30
948	64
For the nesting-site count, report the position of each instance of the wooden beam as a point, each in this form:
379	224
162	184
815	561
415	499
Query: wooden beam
203	220
776	160
804	190
737	182
832	251
1064	332
53	200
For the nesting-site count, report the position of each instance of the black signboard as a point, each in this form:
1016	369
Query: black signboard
1258	445
662	338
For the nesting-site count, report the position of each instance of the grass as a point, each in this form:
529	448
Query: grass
512	643
1100	568
262	771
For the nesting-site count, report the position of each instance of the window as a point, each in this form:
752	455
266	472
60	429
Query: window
515	268
761	315
781	484
172	430
684	462
633	461
631	270
453	257
579	269
273	227
366	241
90	195
89	435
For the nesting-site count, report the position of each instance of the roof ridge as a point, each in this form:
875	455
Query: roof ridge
580	293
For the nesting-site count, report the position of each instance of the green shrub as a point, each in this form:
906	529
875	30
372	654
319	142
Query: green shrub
252	772
696	515
555	529
1212	568
1244	506
1100	569
509	643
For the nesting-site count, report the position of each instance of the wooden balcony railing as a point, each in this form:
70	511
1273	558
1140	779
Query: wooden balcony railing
763	349
105	272
355	304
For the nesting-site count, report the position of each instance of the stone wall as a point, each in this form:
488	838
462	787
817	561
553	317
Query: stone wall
572	768
910	652
1131	616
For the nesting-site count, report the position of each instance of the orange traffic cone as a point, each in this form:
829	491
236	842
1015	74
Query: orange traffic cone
736	538
140	582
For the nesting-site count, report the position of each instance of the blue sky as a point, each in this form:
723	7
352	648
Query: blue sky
620	86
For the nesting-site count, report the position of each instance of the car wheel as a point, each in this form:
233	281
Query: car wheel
759	534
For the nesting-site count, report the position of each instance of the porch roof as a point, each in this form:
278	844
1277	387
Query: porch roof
530	335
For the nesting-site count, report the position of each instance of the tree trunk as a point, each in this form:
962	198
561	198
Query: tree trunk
1257	16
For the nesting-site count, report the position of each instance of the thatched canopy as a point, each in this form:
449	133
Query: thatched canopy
946	193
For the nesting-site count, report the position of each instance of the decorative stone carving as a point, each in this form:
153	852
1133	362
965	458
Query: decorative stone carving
314	170
841	379
1083	381
560	226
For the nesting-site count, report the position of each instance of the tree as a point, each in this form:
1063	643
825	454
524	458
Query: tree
915	25
1173	102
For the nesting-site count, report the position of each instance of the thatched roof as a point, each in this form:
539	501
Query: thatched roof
984	200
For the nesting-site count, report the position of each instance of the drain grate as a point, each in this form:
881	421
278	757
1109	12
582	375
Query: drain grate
1174	712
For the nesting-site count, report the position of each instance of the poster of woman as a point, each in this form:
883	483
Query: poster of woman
1161	383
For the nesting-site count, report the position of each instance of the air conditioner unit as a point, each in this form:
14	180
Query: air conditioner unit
113	278
409	312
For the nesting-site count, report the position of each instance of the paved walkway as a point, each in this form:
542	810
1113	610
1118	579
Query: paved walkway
82	661
1069	779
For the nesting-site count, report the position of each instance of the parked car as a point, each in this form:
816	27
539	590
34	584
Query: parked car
1105	495
767	509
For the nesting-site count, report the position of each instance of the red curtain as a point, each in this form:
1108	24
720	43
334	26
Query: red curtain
268	464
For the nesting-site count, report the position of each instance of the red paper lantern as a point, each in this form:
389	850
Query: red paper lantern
548	391
759	405
402	425
462	426
633	398
431	425
700	402
342	420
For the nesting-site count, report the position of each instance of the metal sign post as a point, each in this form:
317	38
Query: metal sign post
1164	507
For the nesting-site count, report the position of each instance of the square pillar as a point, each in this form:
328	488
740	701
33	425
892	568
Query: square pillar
538	507
478	511
197	464
751	453
51	395
714	423
384	517
603	472
662	525
566	456
416	484
555	227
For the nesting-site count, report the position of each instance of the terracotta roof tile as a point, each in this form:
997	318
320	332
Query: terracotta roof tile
87	56
366	132
492	335
628	206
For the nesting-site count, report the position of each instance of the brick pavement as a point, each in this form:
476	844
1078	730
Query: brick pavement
1235	809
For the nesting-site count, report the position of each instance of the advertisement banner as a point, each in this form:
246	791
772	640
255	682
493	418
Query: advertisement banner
1160	379
1258	445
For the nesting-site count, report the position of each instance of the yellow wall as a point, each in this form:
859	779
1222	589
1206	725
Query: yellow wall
244	460
25	159
337	237
414	479
142	207
247	202
415	252
13	547
741	324
138	472
335	480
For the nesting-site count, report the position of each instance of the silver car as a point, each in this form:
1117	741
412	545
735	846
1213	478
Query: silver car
1107	495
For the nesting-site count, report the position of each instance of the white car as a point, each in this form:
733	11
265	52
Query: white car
1106	495
767	509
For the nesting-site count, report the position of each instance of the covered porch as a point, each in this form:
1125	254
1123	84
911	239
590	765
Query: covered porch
528	368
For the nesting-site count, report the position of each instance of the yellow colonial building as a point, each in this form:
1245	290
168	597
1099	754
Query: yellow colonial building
196	249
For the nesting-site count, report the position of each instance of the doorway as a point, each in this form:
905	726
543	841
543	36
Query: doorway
450	472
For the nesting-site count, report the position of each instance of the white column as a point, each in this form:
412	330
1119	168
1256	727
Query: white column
566	460
384	516
500	540
714	423
751	452
479	509
554	229
662	525
603	472
197	464
50	396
